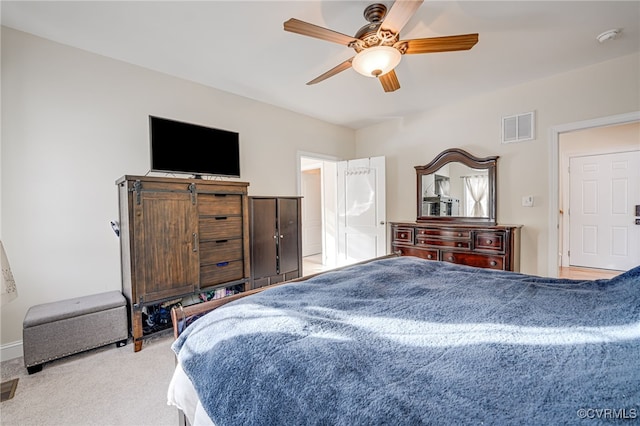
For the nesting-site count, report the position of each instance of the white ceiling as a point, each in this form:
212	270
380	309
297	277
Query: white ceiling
241	47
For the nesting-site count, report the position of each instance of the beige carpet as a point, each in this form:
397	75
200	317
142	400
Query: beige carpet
105	386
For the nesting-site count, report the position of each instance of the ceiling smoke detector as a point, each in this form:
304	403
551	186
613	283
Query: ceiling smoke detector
608	35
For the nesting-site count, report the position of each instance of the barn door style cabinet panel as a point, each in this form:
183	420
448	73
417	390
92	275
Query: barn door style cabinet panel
179	237
276	239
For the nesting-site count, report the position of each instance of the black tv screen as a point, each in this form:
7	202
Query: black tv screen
178	147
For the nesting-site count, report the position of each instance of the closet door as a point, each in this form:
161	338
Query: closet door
263	237
288	223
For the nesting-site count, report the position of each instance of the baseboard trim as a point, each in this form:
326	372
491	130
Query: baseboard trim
11	350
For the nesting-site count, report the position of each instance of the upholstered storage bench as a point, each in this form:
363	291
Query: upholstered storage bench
57	329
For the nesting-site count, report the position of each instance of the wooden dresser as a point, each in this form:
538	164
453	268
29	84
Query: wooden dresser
483	246
180	237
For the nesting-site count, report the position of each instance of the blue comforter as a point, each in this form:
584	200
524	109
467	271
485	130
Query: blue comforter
410	341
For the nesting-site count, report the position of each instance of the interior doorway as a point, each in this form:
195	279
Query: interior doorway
317	186
343	211
593	137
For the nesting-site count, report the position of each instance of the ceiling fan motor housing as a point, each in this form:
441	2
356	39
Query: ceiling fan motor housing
370	34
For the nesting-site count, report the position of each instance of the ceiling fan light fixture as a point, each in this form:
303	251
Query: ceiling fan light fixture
376	61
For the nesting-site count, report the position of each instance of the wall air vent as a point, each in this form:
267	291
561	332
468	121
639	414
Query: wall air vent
518	128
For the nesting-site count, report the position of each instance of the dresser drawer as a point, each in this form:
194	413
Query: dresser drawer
491	241
446	233
416	251
219	204
221	272
474	259
220	227
220	251
403	235
461	244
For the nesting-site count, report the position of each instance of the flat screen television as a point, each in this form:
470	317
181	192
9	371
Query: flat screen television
178	147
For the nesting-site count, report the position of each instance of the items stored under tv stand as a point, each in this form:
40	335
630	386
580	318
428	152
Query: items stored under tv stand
180	237
156	317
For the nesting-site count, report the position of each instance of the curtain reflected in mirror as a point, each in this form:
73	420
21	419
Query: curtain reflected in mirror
476	195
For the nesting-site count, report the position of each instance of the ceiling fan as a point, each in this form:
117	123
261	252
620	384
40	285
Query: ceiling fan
377	44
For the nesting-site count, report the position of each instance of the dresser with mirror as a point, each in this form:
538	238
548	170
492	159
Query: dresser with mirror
456	215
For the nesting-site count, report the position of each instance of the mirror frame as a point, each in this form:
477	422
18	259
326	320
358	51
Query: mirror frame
461	156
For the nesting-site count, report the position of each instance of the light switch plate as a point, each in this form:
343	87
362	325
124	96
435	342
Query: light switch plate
527	201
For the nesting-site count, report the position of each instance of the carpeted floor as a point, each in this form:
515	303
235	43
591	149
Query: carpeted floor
108	386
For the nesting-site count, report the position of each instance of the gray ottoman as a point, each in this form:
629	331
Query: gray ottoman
54	330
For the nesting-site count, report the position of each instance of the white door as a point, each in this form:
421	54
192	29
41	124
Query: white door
361	210
604	191
311	212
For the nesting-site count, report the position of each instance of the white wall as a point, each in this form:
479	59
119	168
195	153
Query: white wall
605	89
73	122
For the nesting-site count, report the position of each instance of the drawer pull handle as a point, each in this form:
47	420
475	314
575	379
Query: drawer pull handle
493	263
459	234
450	258
219	195
459	244
403	236
429	256
489	242
222	264
221	218
221	241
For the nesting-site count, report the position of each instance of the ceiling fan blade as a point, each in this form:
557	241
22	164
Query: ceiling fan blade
400	13
389	81
300	27
333	71
440	44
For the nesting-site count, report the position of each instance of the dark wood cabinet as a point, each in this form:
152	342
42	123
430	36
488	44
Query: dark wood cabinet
179	237
483	246
276	239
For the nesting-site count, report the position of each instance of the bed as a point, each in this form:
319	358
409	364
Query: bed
402	340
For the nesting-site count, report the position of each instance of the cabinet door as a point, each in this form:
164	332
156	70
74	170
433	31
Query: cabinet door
263	237
288	215
165	245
